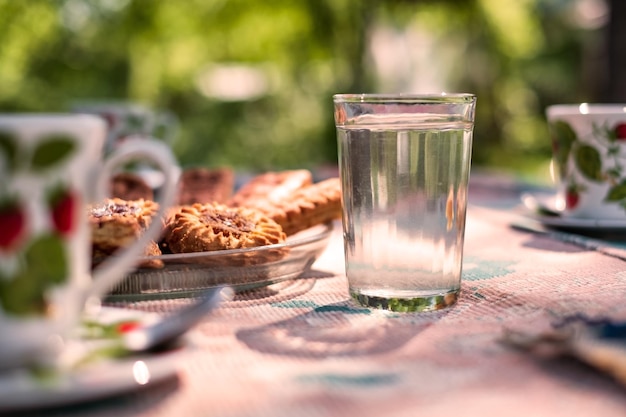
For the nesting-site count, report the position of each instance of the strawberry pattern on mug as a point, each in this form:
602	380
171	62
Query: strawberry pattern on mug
37	252
620	131
12	224
572	197
62	203
588	160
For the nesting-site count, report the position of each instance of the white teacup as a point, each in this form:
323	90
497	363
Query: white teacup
589	157
51	166
127	119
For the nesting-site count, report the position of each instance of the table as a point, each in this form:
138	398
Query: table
300	348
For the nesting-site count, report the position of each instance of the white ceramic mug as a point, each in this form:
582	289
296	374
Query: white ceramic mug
51	166
126	119
589	157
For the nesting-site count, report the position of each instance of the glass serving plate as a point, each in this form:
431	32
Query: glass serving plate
185	275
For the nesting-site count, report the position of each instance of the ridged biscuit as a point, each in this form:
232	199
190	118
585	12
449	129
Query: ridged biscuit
271	187
215	227
209	227
315	204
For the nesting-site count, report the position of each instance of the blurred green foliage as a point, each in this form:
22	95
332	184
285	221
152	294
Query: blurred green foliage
518	56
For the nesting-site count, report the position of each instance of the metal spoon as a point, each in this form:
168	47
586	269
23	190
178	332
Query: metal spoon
541	206
599	344
165	332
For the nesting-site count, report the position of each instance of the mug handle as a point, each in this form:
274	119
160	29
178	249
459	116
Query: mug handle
166	123
114	269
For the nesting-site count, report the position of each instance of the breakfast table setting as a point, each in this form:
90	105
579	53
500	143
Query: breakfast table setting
529	320
301	347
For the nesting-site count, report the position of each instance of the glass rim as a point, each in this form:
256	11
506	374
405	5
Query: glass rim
404	97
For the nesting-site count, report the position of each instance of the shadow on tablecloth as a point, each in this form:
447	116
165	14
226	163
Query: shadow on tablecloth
334	330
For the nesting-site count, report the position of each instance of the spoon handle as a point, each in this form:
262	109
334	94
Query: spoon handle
175	325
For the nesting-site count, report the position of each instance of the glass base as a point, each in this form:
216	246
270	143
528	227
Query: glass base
407	304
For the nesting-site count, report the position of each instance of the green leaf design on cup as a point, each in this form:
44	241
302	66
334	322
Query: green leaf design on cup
589	162
42	265
8	147
563	137
46	259
52	151
617	192
21	295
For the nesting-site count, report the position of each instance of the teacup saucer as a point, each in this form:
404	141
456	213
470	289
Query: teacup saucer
583	224
542	207
94	367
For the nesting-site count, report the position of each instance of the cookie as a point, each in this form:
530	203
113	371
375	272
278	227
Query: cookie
117	223
129	186
152	249
211	227
203	185
312	205
271	187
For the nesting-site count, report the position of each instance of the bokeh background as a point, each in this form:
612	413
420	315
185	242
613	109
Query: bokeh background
251	82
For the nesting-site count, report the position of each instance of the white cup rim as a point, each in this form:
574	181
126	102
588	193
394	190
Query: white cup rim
49	119
583	109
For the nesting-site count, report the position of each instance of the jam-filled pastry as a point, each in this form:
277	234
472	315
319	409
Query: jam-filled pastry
271	187
203	185
212	226
117	223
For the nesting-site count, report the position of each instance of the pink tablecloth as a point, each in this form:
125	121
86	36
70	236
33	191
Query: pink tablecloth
299	348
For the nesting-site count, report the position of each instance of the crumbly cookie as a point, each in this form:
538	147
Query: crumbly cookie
210	227
152	249
271	187
315	204
117	223
202	185
129	186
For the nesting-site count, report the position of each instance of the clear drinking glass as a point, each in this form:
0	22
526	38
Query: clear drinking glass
404	163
